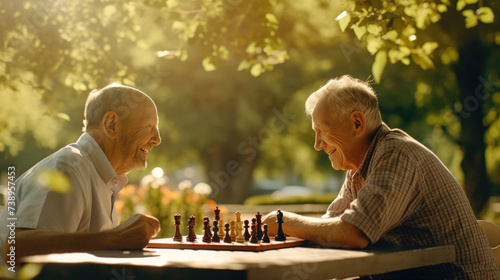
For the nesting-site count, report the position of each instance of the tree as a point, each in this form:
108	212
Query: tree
186	55
227	116
67	48
422	32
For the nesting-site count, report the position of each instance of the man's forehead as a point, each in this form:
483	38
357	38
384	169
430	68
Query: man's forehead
145	112
321	113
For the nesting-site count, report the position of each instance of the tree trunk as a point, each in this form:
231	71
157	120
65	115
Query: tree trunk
469	74
229	172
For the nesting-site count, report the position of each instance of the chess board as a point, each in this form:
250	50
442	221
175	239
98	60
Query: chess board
169	243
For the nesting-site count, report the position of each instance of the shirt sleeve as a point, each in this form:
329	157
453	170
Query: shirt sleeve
343	199
43	208
389	195
67	211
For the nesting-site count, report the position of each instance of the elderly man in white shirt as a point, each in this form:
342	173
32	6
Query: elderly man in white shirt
120	128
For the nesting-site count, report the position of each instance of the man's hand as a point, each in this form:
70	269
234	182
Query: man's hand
270	220
326	232
136	232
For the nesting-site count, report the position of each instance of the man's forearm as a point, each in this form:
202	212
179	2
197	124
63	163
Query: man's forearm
35	242
326	232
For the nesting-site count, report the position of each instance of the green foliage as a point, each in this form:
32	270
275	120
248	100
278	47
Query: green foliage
399	30
53	53
28	271
270	200
227	27
54	180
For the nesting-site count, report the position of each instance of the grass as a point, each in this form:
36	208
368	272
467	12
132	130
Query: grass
311	199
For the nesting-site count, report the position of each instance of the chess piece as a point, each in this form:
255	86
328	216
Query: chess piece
239	228
259	225
206	238
265	237
253	232
238	215
232	231
191	237
217	213
208	220
246	235
227	238
280	236
215	237
221	229
177	235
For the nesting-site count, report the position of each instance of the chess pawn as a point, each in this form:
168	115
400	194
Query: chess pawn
177	235
207	238
265	237
253	232
221	229
215	237
227	238
232	232
208	220
246	235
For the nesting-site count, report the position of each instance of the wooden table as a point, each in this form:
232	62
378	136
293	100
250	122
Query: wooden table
306	262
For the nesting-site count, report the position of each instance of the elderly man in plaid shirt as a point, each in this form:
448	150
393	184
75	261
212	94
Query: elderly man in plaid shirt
396	191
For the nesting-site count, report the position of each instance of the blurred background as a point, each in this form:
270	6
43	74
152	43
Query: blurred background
230	78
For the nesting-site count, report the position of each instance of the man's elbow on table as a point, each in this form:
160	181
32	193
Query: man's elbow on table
359	241
336	233
353	237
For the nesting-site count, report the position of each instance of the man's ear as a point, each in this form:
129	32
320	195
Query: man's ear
111	123
358	120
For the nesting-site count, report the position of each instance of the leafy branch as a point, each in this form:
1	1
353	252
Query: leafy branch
392	30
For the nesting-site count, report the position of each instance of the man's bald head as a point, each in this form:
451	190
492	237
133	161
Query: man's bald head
114	97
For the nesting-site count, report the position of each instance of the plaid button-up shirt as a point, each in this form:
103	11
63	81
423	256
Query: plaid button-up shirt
403	195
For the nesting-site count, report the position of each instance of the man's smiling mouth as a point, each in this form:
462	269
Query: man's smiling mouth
331	153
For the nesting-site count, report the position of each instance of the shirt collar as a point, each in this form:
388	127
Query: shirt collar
376	137
101	163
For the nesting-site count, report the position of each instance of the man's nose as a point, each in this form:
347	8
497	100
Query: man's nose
319	144
156	139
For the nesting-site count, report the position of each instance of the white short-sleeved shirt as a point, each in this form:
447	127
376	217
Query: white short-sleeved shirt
87	207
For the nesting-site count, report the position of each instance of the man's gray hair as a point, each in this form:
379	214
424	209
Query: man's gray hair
114	97
345	95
